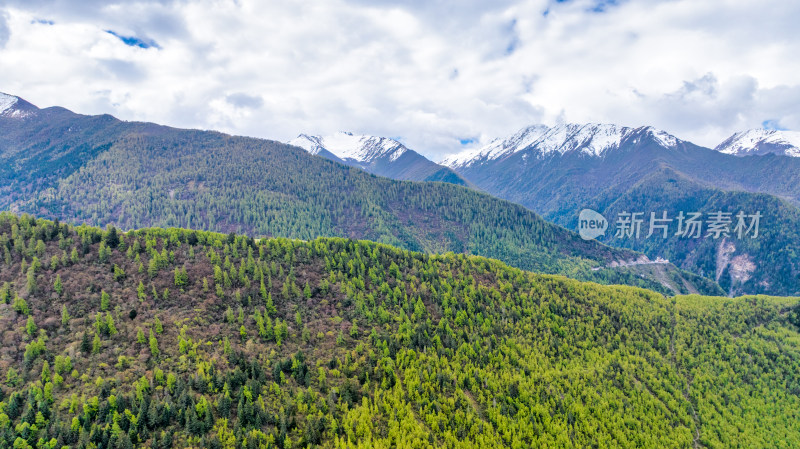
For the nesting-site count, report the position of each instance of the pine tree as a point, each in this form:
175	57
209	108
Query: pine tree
96	344
112	330
153	344
181	277
58	287
140	292
112	237
229	315
119	273
103	252
262	290
46	375
31	280
30	327
152	266
65	316
5	293
86	346
105	301
271	309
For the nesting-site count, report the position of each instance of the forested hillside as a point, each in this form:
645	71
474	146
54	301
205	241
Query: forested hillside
768	262
645	173
99	170
170	337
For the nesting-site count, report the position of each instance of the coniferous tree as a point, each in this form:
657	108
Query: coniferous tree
58	287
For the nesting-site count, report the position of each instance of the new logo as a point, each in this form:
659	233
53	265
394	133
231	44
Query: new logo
591	224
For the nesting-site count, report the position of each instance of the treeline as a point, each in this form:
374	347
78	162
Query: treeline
178	338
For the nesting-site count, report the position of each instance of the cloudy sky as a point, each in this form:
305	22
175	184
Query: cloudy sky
440	76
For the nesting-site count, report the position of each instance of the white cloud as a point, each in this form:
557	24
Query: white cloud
4	33
430	73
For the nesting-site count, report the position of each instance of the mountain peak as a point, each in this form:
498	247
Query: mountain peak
353	147
15	107
592	139
759	141
7	102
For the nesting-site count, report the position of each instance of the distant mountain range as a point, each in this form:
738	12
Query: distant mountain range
558	171
381	156
100	170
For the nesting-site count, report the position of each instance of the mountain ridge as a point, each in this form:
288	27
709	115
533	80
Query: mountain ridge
589	139
99	170
760	142
559	184
381	156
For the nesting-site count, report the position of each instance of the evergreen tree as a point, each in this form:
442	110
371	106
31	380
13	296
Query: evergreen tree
105	301
58	287
153	345
65	316
30	327
112	237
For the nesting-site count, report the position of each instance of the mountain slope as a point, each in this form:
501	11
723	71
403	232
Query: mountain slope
758	142
177	338
100	170
378	155
768	262
559	171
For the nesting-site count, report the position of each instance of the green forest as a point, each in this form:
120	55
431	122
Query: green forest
98	171
773	254
161	338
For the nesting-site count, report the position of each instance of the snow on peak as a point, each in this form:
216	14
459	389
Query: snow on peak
591	139
15	107
7	102
762	141
664	138
349	146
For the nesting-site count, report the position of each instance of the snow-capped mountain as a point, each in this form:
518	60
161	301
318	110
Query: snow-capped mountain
349	147
15	107
587	139
556	171
560	171
378	155
760	142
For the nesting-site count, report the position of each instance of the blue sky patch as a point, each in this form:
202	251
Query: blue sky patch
603	5
513	42
133	41
467	141
773	125
43	21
